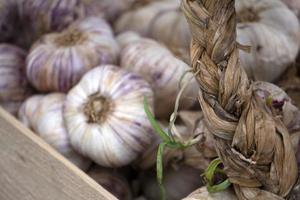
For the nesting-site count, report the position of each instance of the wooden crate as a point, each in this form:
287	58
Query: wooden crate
30	169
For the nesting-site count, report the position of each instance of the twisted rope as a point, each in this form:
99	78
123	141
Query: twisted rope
254	146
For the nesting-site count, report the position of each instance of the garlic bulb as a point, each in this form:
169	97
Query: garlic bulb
44	114
161	69
161	20
13	84
273	31
112	181
58	60
178	181
105	117
203	194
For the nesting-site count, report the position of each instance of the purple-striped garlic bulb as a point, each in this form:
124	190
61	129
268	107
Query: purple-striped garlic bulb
13	84
161	69
105	117
58	60
44	115
112	180
203	194
162	21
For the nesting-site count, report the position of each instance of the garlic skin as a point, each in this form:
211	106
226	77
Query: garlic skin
294	5
44	115
178	181
203	194
13	84
105	117
162	70
161	20
273	32
58	60
112	181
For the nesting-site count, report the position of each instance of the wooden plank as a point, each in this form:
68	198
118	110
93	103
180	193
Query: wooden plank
31	170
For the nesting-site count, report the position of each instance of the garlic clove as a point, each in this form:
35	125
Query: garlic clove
111	180
58	60
203	194
178	181
163	71
44	115
105	117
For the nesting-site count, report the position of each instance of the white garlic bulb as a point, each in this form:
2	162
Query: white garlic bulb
178	181
161	20
58	60
112	181
44	115
273	32
161	69
13	84
203	194
105	117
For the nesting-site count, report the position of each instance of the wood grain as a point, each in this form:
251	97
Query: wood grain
31	170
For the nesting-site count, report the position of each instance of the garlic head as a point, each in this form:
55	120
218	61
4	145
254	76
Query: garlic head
58	60
105	117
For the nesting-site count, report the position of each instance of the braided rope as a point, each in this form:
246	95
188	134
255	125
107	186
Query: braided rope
254	146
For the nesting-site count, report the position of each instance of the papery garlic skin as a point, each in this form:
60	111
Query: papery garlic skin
162	70
178	181
105	117
160	20
273	34
58	60
294	5
112	181
13	84
203	194
44	115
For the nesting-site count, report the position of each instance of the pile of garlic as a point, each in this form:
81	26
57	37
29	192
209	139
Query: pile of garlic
76	72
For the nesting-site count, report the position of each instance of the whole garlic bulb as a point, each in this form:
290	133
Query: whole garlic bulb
162	70
58	60
44	114
105	117
178	181
273	32
111	180
13	84
203	194
162	21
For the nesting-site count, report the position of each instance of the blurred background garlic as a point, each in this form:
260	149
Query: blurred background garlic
160	20
203	194
161	69
105	117
273	32
179	181
13	84
58	60
44	115
269	27
112	181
